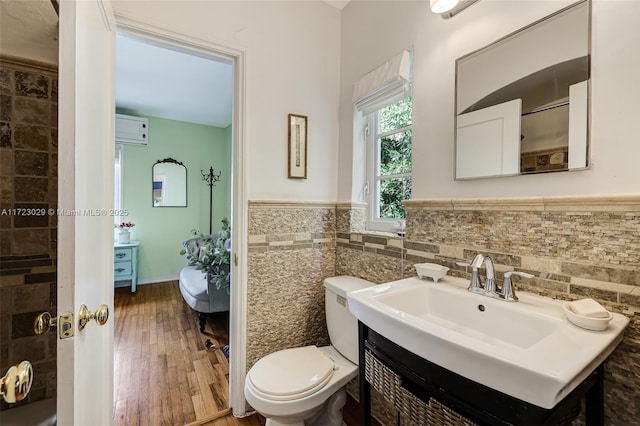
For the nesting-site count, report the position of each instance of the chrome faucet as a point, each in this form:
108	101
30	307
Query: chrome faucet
490	287
490	283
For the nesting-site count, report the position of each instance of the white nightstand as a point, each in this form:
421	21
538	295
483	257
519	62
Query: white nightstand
125	263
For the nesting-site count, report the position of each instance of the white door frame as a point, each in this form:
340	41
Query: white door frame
239	210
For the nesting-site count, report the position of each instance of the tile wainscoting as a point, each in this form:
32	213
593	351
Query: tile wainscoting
291	252
576	246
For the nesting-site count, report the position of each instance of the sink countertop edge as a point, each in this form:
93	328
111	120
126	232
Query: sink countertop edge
565	378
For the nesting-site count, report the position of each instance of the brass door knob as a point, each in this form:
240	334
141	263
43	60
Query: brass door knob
16	384
101	315
43	323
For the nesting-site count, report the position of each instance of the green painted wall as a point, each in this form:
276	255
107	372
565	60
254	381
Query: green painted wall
161	230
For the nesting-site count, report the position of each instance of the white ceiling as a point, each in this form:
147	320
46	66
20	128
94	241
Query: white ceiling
160	82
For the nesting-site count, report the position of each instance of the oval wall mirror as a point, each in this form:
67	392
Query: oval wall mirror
169	183
522	102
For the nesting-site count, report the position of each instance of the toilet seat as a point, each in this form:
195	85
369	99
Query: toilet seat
291	374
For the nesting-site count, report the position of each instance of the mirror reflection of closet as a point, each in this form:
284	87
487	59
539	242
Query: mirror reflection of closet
522	102
169	183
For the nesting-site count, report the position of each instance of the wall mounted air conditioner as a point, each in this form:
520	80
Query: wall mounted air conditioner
132	130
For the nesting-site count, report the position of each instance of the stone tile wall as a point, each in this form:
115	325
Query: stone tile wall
291	252
28	188
576	246
373	256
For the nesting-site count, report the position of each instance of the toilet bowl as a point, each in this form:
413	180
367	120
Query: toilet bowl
306	385
299	404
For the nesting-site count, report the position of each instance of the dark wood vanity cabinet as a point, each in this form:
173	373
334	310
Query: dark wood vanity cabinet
416	386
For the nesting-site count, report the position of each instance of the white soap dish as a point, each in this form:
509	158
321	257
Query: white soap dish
432	270
590	323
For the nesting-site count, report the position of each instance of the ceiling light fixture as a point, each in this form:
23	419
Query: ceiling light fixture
441	6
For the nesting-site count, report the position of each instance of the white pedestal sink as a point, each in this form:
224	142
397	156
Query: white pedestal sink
527	349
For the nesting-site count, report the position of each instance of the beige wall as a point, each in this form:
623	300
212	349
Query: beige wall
437	43
29	29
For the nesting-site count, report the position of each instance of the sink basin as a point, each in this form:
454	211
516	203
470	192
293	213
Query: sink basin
527	349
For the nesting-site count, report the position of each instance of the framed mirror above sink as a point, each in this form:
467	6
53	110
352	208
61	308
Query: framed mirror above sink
169	183
522	102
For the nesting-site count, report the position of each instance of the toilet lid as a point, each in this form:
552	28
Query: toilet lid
291	372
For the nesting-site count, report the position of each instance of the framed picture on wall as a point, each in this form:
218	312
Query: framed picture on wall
297	146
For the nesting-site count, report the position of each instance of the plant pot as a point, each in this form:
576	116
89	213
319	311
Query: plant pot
124	236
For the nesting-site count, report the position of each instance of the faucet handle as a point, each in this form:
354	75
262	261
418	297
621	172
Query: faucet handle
475	285
519	273
478	261
507	292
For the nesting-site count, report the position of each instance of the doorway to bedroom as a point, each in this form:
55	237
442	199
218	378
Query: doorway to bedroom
173	183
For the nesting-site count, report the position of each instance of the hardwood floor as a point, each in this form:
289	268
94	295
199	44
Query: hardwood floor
164	374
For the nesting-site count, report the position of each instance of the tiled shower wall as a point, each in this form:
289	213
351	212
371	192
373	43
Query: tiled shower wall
576	247
28	188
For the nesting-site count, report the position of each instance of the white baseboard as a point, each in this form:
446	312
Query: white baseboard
160	279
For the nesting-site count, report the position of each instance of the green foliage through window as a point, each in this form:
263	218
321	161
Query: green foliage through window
393	165
395	116
395	154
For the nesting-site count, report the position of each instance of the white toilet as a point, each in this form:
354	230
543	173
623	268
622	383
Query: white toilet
306	386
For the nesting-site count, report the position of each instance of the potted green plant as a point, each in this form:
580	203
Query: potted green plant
213	257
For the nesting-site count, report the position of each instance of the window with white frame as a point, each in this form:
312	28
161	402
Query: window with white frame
382	97
390	165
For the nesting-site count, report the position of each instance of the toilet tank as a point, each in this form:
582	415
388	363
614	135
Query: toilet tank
342	325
